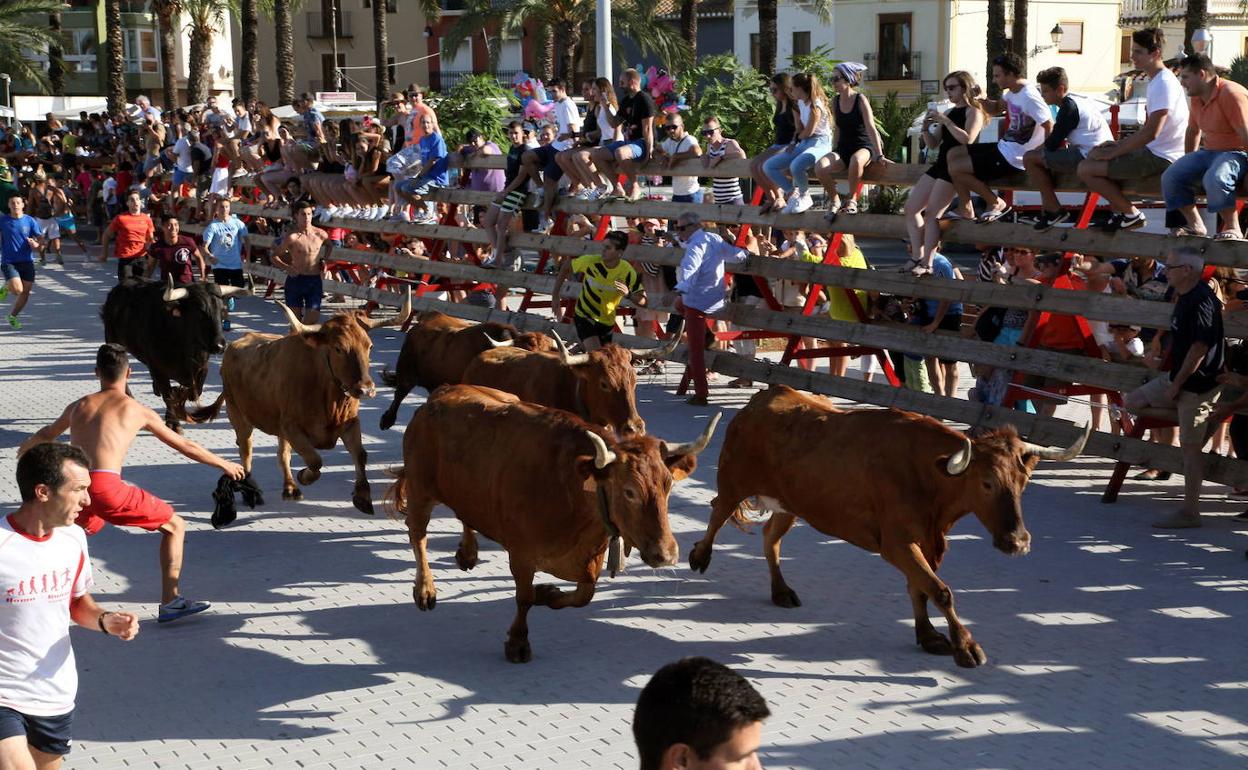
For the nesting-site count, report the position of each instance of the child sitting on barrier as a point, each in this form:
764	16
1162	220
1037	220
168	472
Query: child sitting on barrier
607	280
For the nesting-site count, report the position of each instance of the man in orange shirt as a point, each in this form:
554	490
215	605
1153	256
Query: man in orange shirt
1219	116
415	131
134	232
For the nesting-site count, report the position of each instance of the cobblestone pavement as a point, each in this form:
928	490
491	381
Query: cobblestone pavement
1111	645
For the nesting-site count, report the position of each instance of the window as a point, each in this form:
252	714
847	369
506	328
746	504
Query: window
392	6
139	51
895	42
754	50
453	5
1245	45
510	55
801	43
1124	52
81	50
1072	38
327	70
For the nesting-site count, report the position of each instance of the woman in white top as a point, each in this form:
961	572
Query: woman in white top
580	167
789	167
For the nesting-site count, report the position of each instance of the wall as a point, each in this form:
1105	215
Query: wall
790	18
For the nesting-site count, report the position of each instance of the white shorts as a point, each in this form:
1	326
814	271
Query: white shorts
220	184
51	230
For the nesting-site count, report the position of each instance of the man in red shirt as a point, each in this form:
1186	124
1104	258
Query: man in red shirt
174	253
1060	333
134	232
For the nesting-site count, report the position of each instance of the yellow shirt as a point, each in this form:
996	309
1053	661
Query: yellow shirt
839	307
599	297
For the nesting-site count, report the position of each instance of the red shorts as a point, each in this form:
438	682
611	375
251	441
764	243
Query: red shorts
121	504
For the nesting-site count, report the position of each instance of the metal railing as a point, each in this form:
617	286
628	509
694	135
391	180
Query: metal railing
1176	9
890	66
441	80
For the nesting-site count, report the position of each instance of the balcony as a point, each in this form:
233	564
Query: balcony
1134	11
443	80
893	66
319	25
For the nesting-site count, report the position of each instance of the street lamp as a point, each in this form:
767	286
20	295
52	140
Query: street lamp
1055	35
1202	41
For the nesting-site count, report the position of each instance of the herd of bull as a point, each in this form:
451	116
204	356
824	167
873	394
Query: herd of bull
542	450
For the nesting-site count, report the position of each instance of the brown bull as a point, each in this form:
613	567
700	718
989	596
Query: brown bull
553	498
599	386
888	481
305	389
439	347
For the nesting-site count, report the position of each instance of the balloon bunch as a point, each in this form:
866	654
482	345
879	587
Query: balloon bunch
531	94
662	88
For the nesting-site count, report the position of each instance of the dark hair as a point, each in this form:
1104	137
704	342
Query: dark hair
619	238
1053	77
111	361
1198	62
45	464
238	101
694	701
298	206
1151	39
1012	63
556	82
515	124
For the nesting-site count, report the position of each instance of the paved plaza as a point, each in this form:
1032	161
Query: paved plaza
1111	645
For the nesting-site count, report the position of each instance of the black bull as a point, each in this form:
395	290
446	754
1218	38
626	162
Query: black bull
172	331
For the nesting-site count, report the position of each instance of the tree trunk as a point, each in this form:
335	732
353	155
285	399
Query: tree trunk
285	37
567	37
249	20
197	65
381	51
767	36
56	61
1197	17
115	83
1019	29
689	25
167	19
996	43
544	52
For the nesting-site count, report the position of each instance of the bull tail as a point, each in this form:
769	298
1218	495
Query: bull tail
389	378
745	521
396	496
205	413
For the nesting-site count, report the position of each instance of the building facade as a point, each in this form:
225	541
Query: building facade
1227	24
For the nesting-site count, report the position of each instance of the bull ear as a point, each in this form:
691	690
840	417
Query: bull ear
314	339
682	465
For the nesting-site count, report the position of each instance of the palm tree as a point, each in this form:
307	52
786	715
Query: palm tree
249	20
167	13
115	83
767	35
204	19
381	51
17	32
567	21
689	25
1197	17
284	36
996	41
1019	30
56	55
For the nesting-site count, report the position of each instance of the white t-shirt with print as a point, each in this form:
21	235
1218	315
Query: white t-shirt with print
1027	111
567	118
39	578
681	185
1165	93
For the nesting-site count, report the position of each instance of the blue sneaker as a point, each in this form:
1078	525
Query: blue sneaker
225	325
180	608
229	304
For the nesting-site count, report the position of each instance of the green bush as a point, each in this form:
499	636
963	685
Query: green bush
475	102
1239	70
818	62
721	85
894	119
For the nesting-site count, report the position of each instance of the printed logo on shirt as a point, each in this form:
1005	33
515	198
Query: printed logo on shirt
53	586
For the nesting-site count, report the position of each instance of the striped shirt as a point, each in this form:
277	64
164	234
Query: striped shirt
599	297
724	189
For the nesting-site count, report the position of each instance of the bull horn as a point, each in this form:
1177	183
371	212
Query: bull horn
1061	455
569	359
662	351
500	344
602	456
225	292
398	319
693	447
172	294
297	326
960	460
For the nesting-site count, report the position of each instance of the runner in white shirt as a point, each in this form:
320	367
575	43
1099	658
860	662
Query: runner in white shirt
1149	151
45	573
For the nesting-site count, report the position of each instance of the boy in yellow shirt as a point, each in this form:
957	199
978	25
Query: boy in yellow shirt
607	279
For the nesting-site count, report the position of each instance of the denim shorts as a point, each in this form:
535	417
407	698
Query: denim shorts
417	186
47	734
23	270
304	291
639	148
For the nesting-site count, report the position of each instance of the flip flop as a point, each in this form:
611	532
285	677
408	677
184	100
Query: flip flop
988	217
1187	231
1228	235
915	267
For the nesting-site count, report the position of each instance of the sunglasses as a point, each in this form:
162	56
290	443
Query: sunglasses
709	131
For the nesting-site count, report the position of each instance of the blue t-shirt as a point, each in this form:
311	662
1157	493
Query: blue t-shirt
224	240
434	146
942	268
13	235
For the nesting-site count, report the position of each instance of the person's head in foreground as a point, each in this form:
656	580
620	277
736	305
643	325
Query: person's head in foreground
696	714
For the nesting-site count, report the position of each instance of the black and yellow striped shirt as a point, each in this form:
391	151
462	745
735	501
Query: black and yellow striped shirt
599	297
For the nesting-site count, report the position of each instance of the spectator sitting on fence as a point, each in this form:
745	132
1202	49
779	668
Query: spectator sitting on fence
540	165
1191	386
858	142
507	203
1149	151
636	116
577	162
784	123
567	118
790	167
933	193
677	145
366	174
1215	157
725	191
1079	126
972	166
607	279
432	173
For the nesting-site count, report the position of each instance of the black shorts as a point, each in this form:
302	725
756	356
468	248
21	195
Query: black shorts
586	328
23	270
130	268
546	157
952	322
987	162
224	276
939	169
51	735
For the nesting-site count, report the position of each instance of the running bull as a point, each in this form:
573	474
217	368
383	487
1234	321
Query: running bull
554	499
305	389
898	494
173	331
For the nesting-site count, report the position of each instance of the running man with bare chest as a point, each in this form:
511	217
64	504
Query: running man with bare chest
299	254
104	425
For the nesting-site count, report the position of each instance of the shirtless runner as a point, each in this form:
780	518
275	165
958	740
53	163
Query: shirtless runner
299	254
103	425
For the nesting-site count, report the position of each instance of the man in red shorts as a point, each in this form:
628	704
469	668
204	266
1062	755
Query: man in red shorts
103	425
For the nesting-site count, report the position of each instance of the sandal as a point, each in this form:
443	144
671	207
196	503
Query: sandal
850	207
988	217
915	267
1228	235
1187	231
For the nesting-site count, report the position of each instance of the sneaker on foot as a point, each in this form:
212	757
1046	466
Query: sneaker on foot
1178	520
1132	221
16	324
1048	219
804	202
791	206
180	608
4	292
225	325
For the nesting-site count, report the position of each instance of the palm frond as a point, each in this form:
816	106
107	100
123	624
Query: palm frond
637	21
24	25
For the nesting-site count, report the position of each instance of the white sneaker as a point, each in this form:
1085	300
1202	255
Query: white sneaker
802	203
583	194
791	205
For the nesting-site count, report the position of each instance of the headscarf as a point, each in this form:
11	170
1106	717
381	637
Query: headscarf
849	70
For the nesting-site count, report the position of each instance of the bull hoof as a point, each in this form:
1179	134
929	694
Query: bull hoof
699	558
545	593
424	600
518	651
785	597
387	420
363	504
970	656
308	476
464	560
292	493
936	643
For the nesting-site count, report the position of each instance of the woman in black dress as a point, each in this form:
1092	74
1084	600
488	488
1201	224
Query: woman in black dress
784	121
933	193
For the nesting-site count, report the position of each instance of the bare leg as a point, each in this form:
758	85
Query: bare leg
773	532
1095	176
916	204
172	541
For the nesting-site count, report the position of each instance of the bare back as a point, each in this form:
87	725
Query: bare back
104	426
